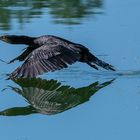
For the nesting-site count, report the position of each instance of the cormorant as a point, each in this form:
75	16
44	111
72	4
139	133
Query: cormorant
49	53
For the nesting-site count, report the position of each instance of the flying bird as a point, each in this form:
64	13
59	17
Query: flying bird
50	53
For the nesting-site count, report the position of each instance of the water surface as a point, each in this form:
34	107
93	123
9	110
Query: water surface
101	105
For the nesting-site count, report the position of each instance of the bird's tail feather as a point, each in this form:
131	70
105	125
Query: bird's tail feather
93	61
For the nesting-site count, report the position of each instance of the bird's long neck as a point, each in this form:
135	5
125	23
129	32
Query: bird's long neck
22	40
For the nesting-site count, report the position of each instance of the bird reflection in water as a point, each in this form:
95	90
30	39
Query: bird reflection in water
50	96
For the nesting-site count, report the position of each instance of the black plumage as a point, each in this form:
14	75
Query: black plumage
50	53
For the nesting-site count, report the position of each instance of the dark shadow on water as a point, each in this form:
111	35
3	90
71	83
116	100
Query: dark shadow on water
50	96
62	11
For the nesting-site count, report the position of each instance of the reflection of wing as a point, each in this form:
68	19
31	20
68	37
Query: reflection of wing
47	58
49	97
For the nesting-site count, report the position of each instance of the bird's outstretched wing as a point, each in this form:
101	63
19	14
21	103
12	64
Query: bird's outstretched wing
22	56
48	57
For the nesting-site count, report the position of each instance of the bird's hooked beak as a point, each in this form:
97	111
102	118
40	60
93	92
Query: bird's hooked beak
1	37
5	38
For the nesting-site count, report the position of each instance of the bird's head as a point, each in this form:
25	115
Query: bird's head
8	38
15	39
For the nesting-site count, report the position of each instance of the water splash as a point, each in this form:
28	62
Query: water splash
100	74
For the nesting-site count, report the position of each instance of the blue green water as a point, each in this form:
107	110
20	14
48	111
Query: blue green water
111	108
